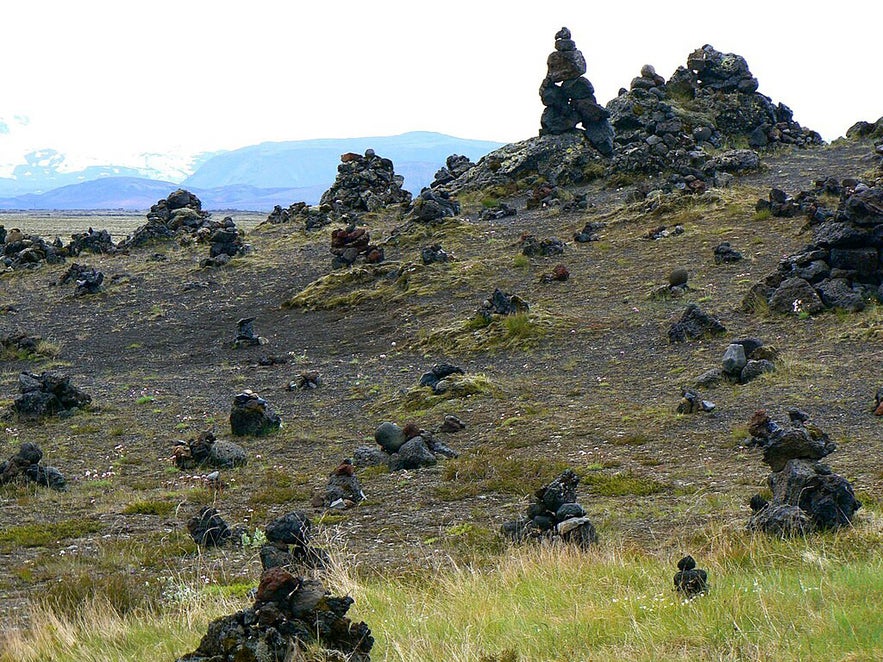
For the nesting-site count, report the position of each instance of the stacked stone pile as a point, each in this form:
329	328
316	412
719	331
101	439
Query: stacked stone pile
842	267
25	251
49	393
655	134
807	495
455	165
343	489
365	183
352	243
205	450
26	464
92	241
501	303
569	96
181	217
290	616
87	280
251	415
289	544
721	84
432	205
534	247
313	217
554	514
408	447
225	242
744	360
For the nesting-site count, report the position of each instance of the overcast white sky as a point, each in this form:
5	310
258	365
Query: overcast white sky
101	80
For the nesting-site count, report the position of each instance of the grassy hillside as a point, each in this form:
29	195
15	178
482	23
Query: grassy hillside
586	379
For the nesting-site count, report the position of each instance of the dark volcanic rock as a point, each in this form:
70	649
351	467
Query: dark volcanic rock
554	514
365	183
694	323
47	394
690	580
807	495
842	267
569	97
208	528
252	415
290	616
205	450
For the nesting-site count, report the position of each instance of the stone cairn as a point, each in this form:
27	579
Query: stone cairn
654	134
313	217
409	447
554	515
500	303
181	217
689	580
26	464
531	246
455	165
288	544
251	415
569	96
19	250
351	243
343	489
807	495
744	360
842	267
365	183
245	335
49	393
290	615
87	279
205	450
694	323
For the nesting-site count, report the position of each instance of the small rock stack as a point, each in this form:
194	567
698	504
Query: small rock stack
554	515
289	544
843	265
179	213
409	447
343	489
569	97
25	251
313	217
225	242
743	360
87	279
501	303
351	243
365	183
807	495
290	616
455	165
694	323
26	464
205	450
690	580
48	394
251	415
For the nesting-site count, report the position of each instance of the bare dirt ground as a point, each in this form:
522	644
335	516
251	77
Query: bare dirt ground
590	382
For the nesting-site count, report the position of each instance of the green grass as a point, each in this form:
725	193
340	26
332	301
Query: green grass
801	599
40	535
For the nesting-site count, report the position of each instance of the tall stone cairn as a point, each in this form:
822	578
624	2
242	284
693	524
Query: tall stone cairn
569	97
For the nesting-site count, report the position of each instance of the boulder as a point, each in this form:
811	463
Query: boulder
694	323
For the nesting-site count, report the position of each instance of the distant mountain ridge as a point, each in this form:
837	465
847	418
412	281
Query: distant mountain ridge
258	177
